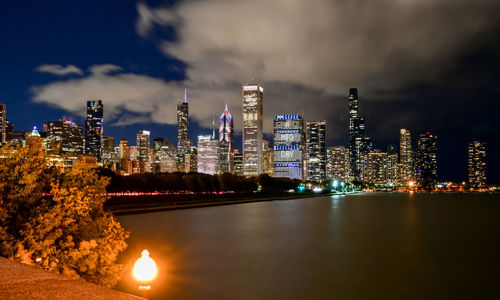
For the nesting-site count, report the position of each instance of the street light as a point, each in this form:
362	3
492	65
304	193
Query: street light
145	270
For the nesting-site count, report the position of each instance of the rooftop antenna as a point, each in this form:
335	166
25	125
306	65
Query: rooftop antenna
185	95
213	126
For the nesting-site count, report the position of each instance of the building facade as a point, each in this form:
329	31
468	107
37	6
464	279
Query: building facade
289	146
253	95
143	152
338	165
64	136
476	164
183	142
375	170
406	156
358	143
238	163
94	129
426	161
226	139
267	159
316	151
208	154
108	150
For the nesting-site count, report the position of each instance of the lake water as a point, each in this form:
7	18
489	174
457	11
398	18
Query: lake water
363	246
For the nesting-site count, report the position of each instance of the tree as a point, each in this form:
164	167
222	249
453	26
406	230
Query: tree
68	232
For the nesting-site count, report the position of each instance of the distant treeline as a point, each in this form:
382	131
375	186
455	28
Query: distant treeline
195	182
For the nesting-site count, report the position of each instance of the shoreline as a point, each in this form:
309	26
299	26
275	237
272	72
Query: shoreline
117	211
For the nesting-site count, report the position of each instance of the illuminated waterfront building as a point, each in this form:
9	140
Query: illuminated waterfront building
267	159
133	152
252	129
358	143
476	164
426	161
123	149
405	156
108	150
183	142
226	139
94	129
208	156
316	151
124	155
191	160
3	123
338	166
165	156
375	170
143	150
238	163
64	136
288	146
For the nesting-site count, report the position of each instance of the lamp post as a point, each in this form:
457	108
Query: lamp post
145	271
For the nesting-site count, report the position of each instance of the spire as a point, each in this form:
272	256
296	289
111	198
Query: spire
213	126
226	107
185	96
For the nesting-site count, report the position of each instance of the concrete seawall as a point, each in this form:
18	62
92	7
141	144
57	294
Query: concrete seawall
19	281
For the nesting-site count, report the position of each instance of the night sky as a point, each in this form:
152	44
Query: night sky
427	65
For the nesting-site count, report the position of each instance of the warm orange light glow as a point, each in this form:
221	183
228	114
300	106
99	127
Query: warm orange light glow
411	183
145	268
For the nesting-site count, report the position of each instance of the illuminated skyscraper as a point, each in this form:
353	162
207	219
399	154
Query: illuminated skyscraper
124	149
3	123
108	150
165	156
143	152
94	129
252	129
64	136
226	139
288	146
426	161
191	160
124	155
183	143
338	167
476	164
238	163
316	150
267	159
405	155
375	170
358	143
208	156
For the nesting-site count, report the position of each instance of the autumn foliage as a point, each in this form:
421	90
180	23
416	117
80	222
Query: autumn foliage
55	219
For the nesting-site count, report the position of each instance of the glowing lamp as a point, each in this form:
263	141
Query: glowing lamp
145	269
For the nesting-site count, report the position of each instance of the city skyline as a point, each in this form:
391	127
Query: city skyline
433	86
308	154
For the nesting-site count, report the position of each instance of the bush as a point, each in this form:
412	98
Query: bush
68	232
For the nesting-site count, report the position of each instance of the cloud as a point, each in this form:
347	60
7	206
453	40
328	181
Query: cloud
324	44
121	93
306	54
59	70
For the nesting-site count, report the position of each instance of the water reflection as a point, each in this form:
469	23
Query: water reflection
366	246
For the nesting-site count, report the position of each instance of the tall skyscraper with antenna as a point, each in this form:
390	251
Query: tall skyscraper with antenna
183	143
226	150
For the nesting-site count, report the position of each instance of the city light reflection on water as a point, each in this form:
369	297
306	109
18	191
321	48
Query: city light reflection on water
386	245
